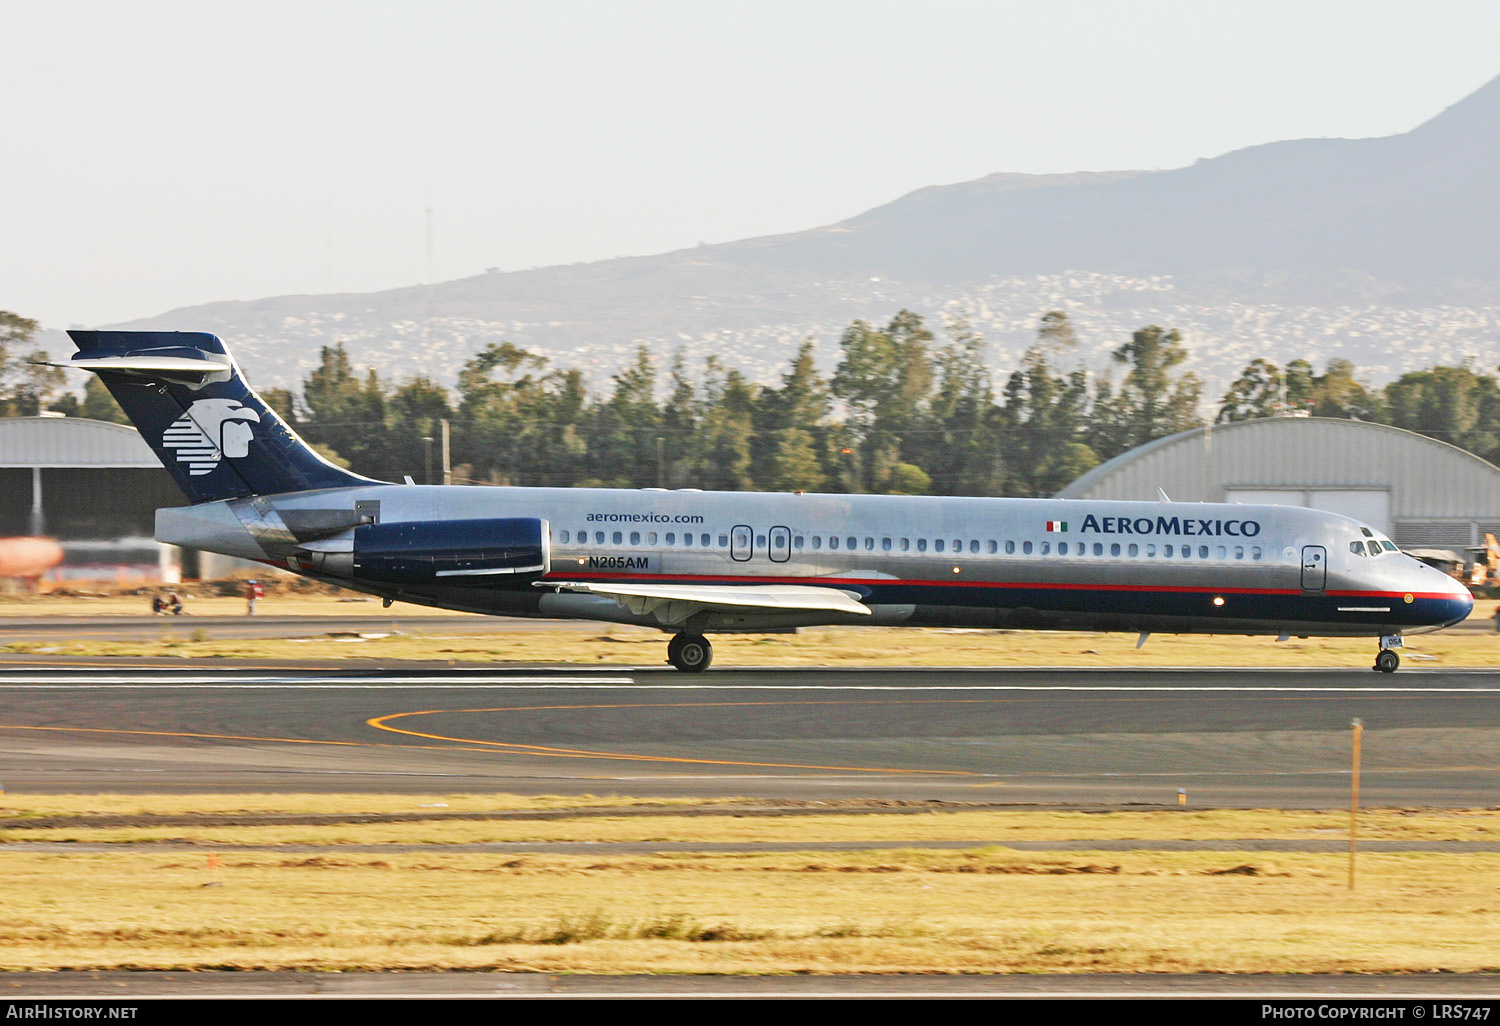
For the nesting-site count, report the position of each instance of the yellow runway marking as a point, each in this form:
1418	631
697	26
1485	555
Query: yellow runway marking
382	723
237	737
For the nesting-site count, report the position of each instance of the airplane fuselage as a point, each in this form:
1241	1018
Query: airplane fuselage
917	561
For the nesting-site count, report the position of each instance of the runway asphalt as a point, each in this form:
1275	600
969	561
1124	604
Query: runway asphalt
1091	738
1228	738
223	628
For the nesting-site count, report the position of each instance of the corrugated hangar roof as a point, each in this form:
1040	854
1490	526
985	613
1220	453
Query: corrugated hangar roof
1428	491
71	442
1426	477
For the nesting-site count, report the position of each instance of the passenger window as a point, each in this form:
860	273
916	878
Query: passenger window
1026	548
1046	548
617	538
852	542
1166	550
760	541
1255	552
703	540
1133	550
1098	548
817	541
921	544
974	545
1062	548
994	546
1114	549
651	538
671	537
1239	552
1202	551
1220	552
723	541
1010	548
939	545
958	544
565	537
833	542
797	542
1150	551
869	544
635	537
905	544
885	545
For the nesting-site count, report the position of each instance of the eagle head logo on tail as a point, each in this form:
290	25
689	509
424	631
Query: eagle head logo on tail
210	430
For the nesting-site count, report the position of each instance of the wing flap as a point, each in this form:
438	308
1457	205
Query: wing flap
673	603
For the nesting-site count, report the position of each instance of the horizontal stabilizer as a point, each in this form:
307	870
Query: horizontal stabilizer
205	367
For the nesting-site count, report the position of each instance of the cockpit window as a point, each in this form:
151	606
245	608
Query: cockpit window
1357	547
1389	546
1374	548
1367	532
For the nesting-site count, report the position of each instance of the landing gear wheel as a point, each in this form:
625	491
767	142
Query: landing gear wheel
1387	661
690	653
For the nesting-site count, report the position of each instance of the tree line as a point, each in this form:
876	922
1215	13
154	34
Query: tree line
904	412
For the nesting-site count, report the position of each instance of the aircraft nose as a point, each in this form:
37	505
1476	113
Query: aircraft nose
1452	602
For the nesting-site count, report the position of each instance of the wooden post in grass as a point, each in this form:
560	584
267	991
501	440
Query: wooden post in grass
1359	728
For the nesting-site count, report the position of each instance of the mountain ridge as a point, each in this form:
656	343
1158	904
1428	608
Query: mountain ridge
1405	221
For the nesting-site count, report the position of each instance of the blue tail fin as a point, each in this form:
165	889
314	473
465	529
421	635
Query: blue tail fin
187	397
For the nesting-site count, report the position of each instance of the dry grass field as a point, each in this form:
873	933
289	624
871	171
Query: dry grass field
1473	644
237	896
815	647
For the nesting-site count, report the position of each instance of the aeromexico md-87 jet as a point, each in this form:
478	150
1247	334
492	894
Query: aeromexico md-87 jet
694	563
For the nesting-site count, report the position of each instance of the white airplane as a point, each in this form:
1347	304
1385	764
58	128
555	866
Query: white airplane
694	563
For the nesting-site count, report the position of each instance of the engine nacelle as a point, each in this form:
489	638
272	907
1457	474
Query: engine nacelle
463	553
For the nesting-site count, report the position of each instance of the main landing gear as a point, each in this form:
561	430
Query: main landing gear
690	653
1386	660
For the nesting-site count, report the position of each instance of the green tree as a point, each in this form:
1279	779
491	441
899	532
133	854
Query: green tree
346	414
725	429
16	333
1045	416
1155	398
1340	394
622	448
34	384
521	422
1259	391
960	449
795	465
1450	403
802	404
884	379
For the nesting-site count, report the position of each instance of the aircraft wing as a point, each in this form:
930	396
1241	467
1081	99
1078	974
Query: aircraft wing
674	603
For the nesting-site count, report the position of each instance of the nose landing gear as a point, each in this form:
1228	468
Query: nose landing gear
1387	659
690	653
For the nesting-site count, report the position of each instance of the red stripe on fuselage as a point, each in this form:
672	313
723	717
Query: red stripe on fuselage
946	583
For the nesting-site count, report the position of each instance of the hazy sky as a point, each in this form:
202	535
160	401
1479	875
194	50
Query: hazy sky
159	154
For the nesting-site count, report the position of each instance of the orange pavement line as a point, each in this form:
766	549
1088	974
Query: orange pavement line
381	723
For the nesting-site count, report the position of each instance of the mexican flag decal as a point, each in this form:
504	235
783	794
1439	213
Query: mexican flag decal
1057	525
